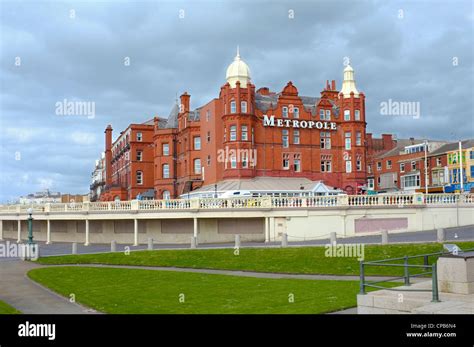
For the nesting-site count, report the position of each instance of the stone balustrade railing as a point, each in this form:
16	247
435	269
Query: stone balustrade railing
248	203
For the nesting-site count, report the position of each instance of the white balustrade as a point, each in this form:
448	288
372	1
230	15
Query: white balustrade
250	203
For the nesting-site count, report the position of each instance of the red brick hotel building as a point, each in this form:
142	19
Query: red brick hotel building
243	134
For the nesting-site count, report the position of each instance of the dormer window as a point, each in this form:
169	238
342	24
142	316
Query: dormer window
296	112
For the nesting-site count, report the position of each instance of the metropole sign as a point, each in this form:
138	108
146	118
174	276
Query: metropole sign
271	121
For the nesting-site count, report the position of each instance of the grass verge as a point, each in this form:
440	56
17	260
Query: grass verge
7	309
127	291
302	260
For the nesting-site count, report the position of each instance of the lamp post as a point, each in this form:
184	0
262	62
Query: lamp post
30	226
215	190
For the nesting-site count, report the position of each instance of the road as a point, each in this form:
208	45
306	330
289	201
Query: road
465	233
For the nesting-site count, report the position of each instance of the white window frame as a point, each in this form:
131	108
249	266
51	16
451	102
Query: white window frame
197	166
167	151
357	115
233	133
296	137
358	138
370	184
197	143
165	170
139	178
285	141
244	133
296	112
347	115
347	140
297	165
243	106
348	166
233	162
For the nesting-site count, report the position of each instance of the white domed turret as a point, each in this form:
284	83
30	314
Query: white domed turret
238	71
348	84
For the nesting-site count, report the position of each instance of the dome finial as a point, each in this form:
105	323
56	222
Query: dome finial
348	83
238	71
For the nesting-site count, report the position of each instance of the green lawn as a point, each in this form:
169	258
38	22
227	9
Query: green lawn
113	290
7	309
306	260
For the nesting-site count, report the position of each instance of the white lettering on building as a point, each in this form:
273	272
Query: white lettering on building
271	121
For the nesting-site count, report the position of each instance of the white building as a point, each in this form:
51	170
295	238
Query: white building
98	178
42	197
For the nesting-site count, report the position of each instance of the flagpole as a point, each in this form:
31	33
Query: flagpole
426	167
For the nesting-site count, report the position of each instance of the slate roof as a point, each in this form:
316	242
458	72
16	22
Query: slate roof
172	121
453	146
264	102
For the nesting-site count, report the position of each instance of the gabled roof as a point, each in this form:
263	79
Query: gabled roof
401	144
453	146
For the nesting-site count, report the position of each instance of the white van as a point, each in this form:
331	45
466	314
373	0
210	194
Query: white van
236	194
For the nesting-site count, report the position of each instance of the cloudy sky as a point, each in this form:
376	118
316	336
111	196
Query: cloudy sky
132	58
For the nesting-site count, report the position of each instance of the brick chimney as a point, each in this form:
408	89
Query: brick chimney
184	107
387	141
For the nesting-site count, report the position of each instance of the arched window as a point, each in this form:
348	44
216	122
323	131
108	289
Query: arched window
166	195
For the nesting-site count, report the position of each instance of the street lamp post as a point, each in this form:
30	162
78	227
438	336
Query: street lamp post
30	226
215	190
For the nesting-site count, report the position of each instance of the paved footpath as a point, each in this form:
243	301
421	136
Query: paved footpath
27	296
240	273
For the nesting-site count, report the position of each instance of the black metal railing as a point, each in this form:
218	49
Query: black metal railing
431	270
